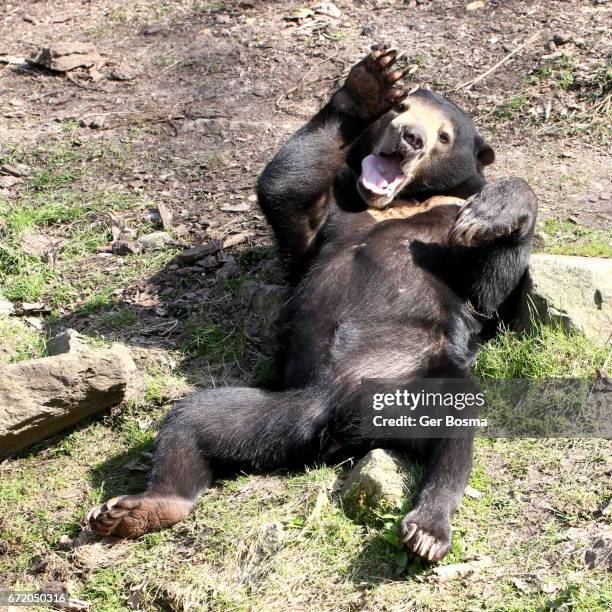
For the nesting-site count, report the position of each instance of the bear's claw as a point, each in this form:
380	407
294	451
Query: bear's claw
426	535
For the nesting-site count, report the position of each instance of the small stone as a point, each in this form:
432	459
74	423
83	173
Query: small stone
599	554
234	240
194	254
165	216
126	247
266	302
155	241
65	542
561	39
236	208
367	30
95	122
125	72
474	6
329	9
152	216
472	492
229	267
69	340
33	308
378	483
8	181
152	29
34	322
66	56
459	570
301	13
268	541
16	170
6	307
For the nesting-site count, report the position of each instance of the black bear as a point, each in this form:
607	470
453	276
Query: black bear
390	280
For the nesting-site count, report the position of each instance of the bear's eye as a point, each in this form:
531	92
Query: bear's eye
402	107
444	137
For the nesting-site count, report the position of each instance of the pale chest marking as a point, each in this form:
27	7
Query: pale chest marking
409	208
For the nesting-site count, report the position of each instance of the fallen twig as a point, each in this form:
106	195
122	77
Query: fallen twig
501	62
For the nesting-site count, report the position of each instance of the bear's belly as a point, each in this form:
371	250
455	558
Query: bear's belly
370	287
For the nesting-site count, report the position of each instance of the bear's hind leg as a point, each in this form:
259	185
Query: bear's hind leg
180	472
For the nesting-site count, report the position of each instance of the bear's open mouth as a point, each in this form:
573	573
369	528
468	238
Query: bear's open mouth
382	173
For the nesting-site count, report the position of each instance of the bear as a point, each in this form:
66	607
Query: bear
400	257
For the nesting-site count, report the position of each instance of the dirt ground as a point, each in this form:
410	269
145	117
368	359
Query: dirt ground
189	102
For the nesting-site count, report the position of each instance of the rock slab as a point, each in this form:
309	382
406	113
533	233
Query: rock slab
575	291
40	397
66	56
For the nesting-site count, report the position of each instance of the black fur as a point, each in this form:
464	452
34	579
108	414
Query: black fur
379	300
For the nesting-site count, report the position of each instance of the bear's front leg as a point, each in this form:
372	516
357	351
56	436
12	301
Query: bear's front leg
372	88
426	529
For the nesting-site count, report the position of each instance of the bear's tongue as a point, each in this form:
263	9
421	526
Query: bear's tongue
381	175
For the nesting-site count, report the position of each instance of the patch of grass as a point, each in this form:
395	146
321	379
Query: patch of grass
511	108
211	7
19	342
215	344
160	388
566	238
118	15
26	287
420	59
54	203
560	72
546	352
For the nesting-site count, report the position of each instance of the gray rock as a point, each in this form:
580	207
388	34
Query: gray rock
125	71
66	56
576	291
196	253
266	302
155	241
599	554
6	307
40	397
67	341
329	9
126	247
379	483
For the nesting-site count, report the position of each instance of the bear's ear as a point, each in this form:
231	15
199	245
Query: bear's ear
484	152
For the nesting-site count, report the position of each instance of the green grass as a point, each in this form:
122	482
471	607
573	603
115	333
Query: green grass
19	342
512	108
213	343
545	352
559	72
56	204
566	238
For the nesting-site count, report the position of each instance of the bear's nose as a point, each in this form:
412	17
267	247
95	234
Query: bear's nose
413	137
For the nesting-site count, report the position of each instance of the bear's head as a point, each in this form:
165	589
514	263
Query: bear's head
426	146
